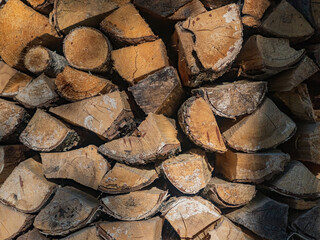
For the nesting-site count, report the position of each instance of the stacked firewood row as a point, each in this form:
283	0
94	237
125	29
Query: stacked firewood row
155	120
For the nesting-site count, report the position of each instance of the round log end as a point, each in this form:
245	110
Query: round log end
37	59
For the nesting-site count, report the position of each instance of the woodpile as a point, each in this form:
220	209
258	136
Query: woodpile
136	119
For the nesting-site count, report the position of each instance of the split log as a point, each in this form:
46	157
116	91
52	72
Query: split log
228	195
199	124
123	179
208	44
87	49
136	62
287	22
39	59
26	188
191	9
255	8
84	165
69	210
89	233
254	167
222	98
43	6
40	92
46	133
304	7
263	216
266	128
314	53
189	172
148	229
160	92
108	115
33	234
157	139
213	4
250	21
134	206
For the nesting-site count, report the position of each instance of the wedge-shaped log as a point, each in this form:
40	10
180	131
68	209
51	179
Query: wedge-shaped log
33	234
69	210
266	128
148	229
199	124
208	44
228	195
134	206
84	165
253	167
46	133
89	233
263	216
234	99
157	139
191	9
123	179
107	115
255	8
160	92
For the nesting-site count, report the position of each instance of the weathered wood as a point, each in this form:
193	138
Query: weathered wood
156	139
134	206
213	4
315	9
222	98
263	216
254	167
108	115
160	92
199	124
136	62
190	9
89	233
208	44
314	53
123	179
43	6
46	133
255	8
33	234
69	210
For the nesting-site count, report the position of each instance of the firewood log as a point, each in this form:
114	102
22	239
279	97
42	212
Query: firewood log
295	202
255	8
33	234
250	21
88	233
122	2
190	9
213	4
42	6
314	53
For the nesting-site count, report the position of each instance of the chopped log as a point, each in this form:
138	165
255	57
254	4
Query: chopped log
208	44
228	195
222	98
287	22
89	233
263	216
123	179
254	167
314	52
69	210
160	92
250	21
13	222
199	124
136	62
40	92
26	188
134	206
43	6
189	216
189	172
190	9
289	79
33	234
315	8
255	8
84	165
304	7
39	59
266	128
108	115
148	229
46	133
157	139
213	4
87	49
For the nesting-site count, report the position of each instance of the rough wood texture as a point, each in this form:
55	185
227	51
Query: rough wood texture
228	195
213	4
222	98
84	165
42	6
87	49
191	9
33	234
156	139
250	21
69	210
314	53
160	92
107	115
136	62
266	128
208	44
26	189
255	8
45	133
148	229
254	167
40	92
199	124
89	233
263	216
123	179
134	206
